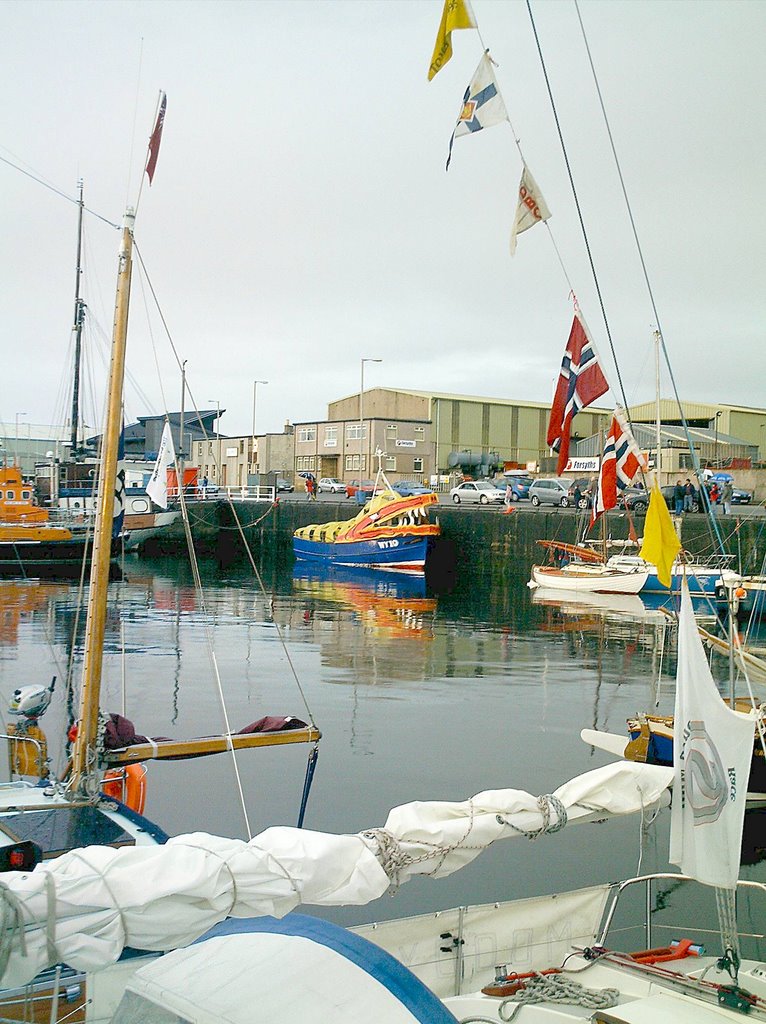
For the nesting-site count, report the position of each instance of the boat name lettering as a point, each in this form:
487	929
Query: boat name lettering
388	543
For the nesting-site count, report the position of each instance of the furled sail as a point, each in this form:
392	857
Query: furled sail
87	905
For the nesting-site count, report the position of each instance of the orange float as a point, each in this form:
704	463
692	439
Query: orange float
127	785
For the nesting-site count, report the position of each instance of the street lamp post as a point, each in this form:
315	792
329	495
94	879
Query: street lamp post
717	415
219	473
361	415
16	448
255	392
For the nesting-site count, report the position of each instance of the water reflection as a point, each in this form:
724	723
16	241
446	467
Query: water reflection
419	695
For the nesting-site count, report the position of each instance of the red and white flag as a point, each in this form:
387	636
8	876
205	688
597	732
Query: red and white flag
531	208
154	141
622	460
581	382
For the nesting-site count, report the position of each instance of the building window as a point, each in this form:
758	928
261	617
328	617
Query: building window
352	464
331	436
210	447
420	433
305	463
390	462
199	450
353	432
242	446
417	465
391	432
307	434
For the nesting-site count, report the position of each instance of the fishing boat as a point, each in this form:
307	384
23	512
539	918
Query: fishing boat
30	542
390	532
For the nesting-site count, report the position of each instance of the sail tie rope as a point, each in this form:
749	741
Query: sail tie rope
547	803
726	904
557	988
11	925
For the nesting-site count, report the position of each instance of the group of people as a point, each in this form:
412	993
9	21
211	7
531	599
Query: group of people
685	495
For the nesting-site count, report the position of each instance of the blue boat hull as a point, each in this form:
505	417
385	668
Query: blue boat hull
701	581
408	553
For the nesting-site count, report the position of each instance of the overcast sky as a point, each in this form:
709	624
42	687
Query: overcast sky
301	218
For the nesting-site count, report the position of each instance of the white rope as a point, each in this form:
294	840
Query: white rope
557	988
547	804
11	926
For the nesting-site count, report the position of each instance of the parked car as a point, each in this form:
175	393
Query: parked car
740	497
586	498
284	485
359	485
519	486
554	491
409	487
635	499
331	485
477	491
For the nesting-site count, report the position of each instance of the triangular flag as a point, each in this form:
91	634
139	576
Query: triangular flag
661	543
712	751
456	14
531	207
483	105
157	488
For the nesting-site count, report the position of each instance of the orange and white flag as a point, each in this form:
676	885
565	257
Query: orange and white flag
531	209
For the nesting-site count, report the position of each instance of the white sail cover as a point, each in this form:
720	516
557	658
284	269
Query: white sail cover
87	905
712	751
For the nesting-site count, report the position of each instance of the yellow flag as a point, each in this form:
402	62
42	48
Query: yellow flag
661	543
456	14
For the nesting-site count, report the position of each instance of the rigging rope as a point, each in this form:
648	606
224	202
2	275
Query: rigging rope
557	988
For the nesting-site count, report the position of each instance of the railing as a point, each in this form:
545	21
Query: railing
227	493
647	880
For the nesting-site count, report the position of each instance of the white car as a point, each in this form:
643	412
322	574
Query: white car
329	483
481	491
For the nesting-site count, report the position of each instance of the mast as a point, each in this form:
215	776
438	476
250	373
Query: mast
657	401
84	754
79	319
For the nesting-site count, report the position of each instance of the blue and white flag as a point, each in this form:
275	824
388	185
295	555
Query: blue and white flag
483	106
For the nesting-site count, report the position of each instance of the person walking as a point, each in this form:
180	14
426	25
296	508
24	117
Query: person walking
309	487
678	496
508	499
727	494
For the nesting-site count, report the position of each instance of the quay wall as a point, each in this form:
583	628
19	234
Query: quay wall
481	540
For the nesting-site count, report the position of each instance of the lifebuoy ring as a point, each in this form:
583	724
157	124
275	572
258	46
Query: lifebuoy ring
128	785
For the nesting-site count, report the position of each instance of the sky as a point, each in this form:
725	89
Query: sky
301	220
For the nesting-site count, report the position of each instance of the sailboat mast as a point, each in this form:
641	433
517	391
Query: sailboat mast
84	756
657	401
79	318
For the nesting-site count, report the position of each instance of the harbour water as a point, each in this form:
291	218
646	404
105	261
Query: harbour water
419	695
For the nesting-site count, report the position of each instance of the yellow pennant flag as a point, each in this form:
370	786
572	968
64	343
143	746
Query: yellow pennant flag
456	14
661	543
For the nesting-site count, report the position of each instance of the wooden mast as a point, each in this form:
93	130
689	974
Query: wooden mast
85	751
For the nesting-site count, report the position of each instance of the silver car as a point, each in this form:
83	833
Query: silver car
478	491
330	484
550	492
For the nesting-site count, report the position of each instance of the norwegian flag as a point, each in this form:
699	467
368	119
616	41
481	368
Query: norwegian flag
156	139
622	460
581	382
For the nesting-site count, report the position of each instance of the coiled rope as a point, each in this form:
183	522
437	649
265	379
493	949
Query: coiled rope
557	988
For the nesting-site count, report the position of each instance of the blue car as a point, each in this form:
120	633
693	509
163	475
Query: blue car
408	488
519	486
